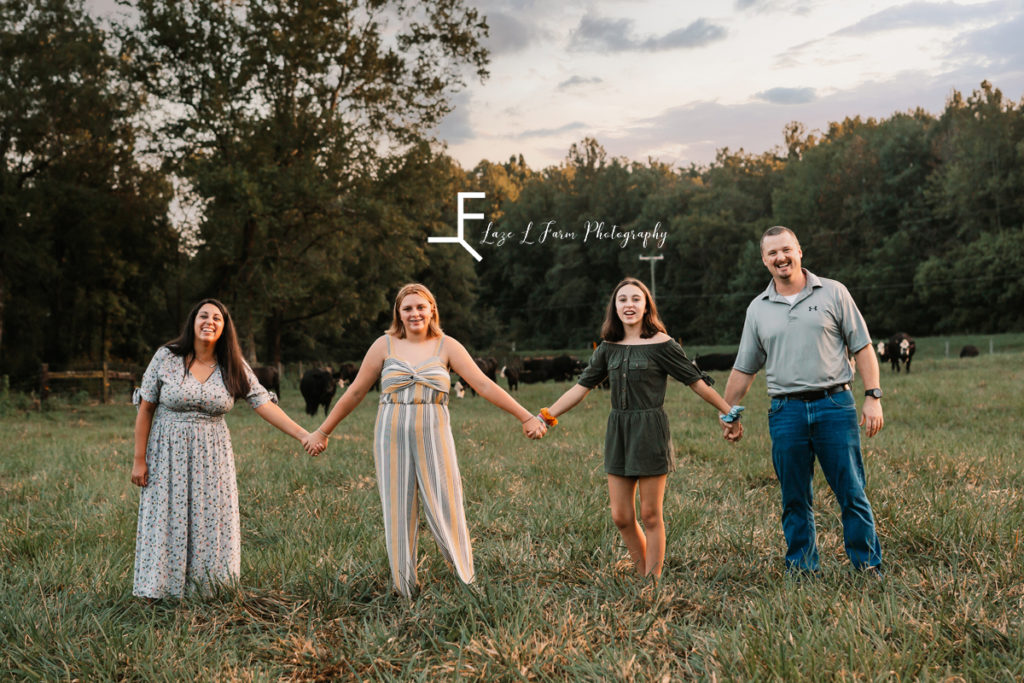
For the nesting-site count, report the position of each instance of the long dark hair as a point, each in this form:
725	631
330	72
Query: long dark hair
227	350
612	329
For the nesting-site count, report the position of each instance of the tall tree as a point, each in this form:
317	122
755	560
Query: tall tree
83	229
282	114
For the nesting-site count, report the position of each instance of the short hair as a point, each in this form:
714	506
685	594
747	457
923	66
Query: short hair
777	230
612	330
397	328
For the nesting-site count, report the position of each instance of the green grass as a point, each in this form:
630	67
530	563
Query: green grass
555	598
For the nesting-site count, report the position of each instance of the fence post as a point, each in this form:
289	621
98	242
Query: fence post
991	346
947	348
44	376
105	391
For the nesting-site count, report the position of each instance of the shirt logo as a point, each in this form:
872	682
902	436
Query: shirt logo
812	308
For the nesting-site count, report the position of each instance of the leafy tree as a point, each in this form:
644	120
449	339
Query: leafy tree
294	119
84	240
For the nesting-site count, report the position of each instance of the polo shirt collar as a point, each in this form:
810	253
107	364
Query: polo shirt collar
812	283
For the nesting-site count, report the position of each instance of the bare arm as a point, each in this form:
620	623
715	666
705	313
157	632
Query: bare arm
143	425
737	386
272	413
871	412
368	374
701	388
569	400
461	362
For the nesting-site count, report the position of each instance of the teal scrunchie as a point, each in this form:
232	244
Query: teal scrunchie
732	415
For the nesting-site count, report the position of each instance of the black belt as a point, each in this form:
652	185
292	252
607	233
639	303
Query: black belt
814	395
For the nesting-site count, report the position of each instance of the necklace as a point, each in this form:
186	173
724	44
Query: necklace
209	365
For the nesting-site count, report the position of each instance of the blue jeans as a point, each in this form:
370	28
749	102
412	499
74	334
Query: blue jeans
826	428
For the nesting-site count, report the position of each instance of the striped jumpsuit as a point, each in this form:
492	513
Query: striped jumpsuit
413	449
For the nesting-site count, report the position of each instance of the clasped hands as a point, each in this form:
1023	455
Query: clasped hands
314	442
535	428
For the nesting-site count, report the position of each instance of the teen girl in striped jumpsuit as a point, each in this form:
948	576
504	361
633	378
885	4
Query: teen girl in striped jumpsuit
413	448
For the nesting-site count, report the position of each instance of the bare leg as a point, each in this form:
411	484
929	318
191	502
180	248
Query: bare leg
622	494
652	498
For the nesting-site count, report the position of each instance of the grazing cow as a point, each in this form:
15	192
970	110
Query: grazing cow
969	351
346	373
883	352
715	361
558	368
318	386
511	375
459	389
901	350
269	377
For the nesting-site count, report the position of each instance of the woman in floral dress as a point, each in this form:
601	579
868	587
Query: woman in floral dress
188	530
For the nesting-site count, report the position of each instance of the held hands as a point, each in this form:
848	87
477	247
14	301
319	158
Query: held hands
535	428
732	429
732	432
315	442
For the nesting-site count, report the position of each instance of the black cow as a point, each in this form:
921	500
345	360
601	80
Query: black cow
969	351
901	349
511	375
269	377
347	372
883	350
318	386
558	368
715	361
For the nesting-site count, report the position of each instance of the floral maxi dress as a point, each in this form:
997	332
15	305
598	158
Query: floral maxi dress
188	531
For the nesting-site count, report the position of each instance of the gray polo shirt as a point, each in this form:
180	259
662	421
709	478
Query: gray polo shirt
802	346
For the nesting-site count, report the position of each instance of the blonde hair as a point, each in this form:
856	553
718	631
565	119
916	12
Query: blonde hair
397	328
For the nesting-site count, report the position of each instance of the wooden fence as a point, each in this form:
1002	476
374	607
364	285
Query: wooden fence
105	375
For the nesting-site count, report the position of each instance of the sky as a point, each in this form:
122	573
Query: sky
678	80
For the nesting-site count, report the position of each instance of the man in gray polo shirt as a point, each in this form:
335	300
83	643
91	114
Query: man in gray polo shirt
801	329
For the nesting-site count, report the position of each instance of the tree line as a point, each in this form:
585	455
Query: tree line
279	155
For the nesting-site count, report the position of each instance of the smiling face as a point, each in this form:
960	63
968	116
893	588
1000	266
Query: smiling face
209	324
416	313
782	256
630	304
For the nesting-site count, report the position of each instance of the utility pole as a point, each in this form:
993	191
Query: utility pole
652	259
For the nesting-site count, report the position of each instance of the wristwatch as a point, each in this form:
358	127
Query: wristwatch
873	393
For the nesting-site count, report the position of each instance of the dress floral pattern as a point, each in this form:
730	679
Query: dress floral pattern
188	531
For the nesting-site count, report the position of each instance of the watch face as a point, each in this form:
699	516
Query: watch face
874	393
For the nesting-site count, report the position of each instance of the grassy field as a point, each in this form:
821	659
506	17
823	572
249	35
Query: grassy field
555	598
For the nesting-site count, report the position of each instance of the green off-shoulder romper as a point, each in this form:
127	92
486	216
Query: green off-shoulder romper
638	443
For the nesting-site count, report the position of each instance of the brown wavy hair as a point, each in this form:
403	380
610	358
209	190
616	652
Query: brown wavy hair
228	352
612	329
398	327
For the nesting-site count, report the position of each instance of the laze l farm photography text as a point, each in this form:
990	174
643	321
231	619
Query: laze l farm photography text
589	232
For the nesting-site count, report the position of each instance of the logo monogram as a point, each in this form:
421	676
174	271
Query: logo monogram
812	308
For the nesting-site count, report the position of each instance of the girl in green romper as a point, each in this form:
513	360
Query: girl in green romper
637	356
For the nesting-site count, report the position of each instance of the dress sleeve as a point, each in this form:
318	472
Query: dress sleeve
257	395
151	381
597	370
674	362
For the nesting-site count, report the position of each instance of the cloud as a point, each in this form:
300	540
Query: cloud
921	15
599	34
548	132
457	127
578	80
508	34
999	45
787	95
